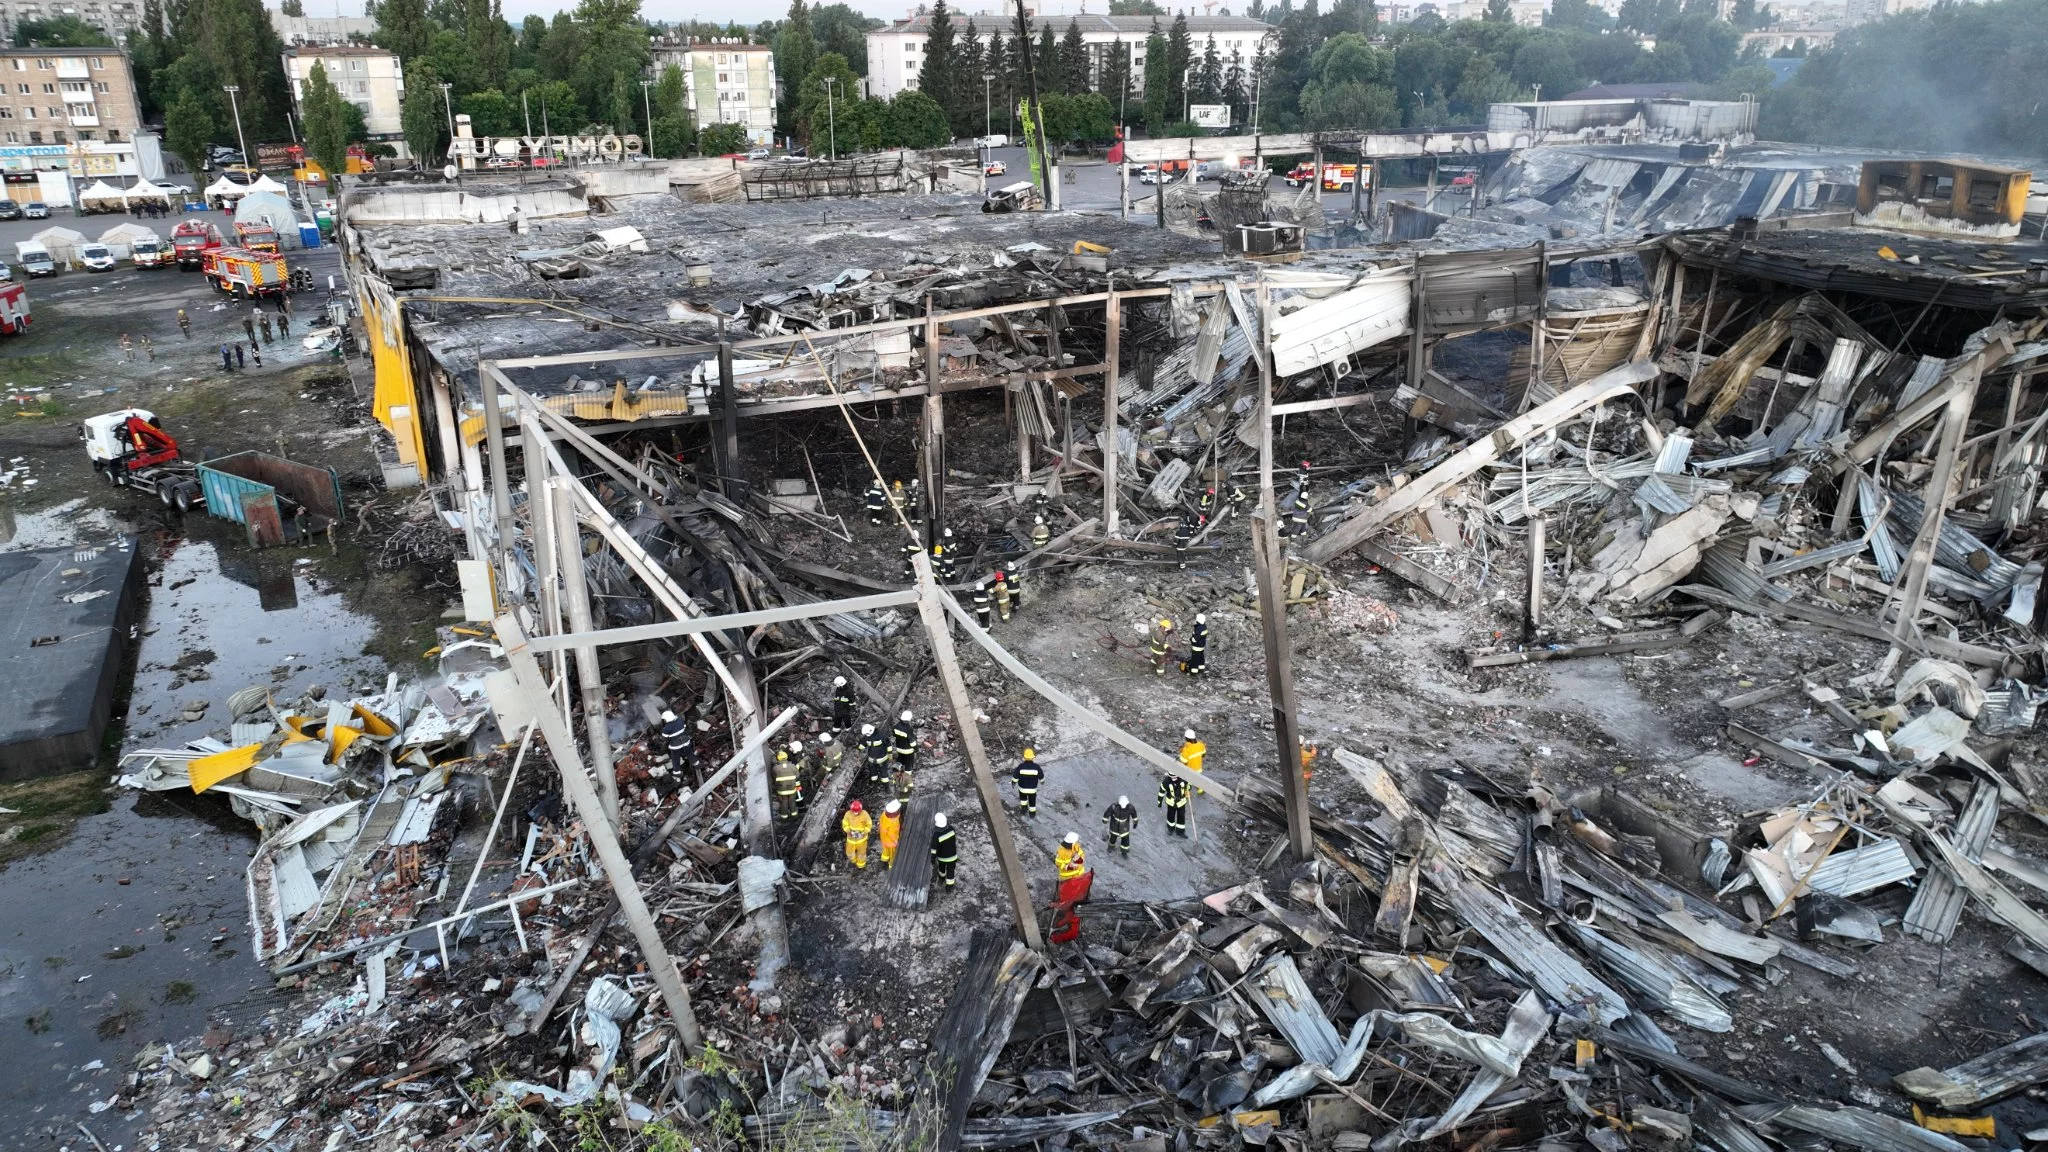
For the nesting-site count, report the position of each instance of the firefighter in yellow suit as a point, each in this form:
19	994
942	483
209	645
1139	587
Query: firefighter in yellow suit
891	829
857	824
1192	753
1070	859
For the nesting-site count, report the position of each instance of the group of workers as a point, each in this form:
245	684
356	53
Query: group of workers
1159	645
998	594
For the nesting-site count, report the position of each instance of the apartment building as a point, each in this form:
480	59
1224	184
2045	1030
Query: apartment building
728	82
320	29
114	17
67	95
370	78
896	53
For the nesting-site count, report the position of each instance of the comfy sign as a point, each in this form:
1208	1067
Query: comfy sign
606	147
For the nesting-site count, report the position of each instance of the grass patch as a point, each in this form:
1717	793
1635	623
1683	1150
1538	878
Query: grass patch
180	992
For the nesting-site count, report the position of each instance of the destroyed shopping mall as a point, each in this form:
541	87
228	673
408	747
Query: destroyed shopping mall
1558	672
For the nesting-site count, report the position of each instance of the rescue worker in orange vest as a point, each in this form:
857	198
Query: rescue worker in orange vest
1028	776
1071	859
856	824
1192	752
890	828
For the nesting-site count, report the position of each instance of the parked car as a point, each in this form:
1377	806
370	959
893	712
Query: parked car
9	210
995	168
96	257
504	162
1462	180
758	154
36	210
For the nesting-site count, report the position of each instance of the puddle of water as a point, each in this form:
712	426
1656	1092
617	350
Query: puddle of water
223	618
59	526
69	927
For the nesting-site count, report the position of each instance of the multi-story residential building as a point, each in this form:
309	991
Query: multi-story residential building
319	29
727	82
896	53
62	95
370	78
114	17
1527	13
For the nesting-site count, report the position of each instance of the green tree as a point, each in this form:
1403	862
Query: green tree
915	120
294	8
235	40
63	31
819	103
526	50
722	139
671	93
796	49
1710	45
673	135
1209	75
1074	78
1156	96
1135	8
561	49
1351	86
1499	12
326	122
1571	15
490	43
404	30
1180	55
492	113
1045	61
1546	60
1075	119
974	111
553	105
840	29
1116	78
938	77
1234	92
189	128
422	117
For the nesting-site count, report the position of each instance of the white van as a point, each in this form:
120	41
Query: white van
96	257
35	259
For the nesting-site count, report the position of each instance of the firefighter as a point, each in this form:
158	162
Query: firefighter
1015	579
890	828
842	704
1207	505
981	604
1239	496
903	748
856	824
1192	751
1040	534
877	502
1308	760
1183	535
184	324
806	769
1002	591
1174	795
249	326
1071	860
263	322
945	850
896	496
675	737
1160	637
943	562
876	746
910	550
831	754
1198	647
1028	776
1121	817
284	321
789	786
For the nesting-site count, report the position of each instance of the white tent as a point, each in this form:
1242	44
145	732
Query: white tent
103	197
144	190
62	242
266	184
273	209
121	238
225	189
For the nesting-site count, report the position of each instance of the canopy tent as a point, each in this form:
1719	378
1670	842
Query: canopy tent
62	242
273	209
103	197
226	189
121	238
144	190
266	184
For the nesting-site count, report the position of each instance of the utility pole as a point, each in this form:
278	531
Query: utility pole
988	80
1271	559
448	105
647	105
526	110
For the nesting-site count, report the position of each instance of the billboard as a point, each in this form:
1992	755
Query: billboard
1210	115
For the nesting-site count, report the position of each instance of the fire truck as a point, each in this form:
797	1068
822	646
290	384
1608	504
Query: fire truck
257	236
13	308
240	272
192	239
1336	177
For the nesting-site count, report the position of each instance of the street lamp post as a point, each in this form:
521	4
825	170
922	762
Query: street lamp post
647	105
1187	95
448	105
988	80
236	104
831	118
